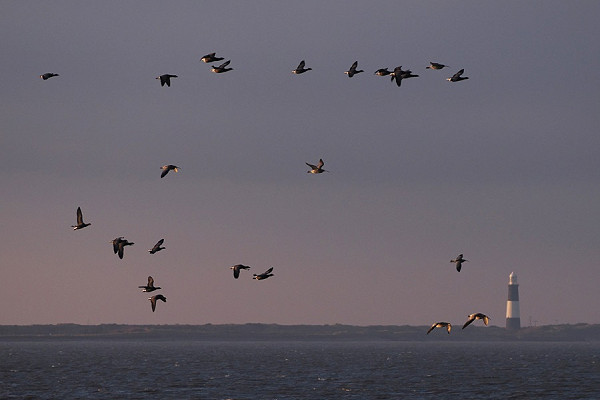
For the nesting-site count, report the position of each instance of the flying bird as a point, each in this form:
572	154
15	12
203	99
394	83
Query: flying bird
150	286
119	244
48	75
400	74
167	168
300	68
316	169
210	57
156	297
457	76
264	275
475	316
157	247
446	325
166	79
458	261
434	65
80	223
221	68
352	71
382	72
236	269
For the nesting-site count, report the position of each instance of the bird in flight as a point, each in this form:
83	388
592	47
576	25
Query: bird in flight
352	71
400	74
150	286
119	244
446	325
475	316
157	247
458	261
48	75
434	65
210	57
154	298
237	268
221	68
316	169
167	168
382	72
264	275
457	76
80	223
166	79
300	68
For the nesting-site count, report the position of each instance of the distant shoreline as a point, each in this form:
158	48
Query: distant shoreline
276	332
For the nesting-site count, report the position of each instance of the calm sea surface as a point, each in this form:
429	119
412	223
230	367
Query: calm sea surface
122	369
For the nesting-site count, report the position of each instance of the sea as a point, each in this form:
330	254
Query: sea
263	370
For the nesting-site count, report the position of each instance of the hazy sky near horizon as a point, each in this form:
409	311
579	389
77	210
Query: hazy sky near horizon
503	167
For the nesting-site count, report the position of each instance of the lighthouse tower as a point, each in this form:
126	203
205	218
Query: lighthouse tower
513	315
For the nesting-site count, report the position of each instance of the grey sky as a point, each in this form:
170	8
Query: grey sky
502	167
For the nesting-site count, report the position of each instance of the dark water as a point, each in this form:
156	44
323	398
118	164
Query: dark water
105	369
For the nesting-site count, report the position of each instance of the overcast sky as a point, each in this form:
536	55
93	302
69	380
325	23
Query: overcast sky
503	167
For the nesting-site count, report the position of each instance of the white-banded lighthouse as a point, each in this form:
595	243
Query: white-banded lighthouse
513	314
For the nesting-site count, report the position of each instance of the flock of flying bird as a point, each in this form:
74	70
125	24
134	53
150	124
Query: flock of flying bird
397	75
120	242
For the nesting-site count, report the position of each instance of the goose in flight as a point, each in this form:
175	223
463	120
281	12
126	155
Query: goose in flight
446	325
156	297
157	247
400	74
475	316
434	65
221	68
352	71
150	286
264	275
457	76
210	57
382	72
48	75
316	169
300	68
236	269
458	261
80	223
166	79
119	244
167	168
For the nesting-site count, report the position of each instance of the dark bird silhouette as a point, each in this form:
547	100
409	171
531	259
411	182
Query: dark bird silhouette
236	269
209	58
400	74
156	297
458	261
157	247
300	68
446	325
434	65
167	168
166	79
316	169
352	71
457	76
382	72
150	286
48	75
119	244
221	68
264	275
475	316
80	223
